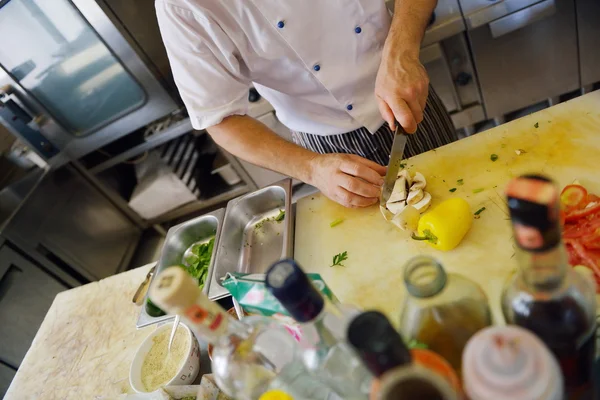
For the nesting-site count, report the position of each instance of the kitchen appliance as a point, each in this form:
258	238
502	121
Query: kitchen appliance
446	57
69	81
525	51
588	29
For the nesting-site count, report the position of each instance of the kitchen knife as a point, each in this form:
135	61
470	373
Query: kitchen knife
393	167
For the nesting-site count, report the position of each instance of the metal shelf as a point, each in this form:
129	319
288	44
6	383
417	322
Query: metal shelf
172	132
196	206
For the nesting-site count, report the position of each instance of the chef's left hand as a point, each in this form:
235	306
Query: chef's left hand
401	89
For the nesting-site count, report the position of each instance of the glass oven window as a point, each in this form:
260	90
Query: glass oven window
52	52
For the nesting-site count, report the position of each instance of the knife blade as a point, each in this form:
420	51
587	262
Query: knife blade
396	155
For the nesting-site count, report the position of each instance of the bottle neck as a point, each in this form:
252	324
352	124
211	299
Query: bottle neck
543	270
329	320
211	322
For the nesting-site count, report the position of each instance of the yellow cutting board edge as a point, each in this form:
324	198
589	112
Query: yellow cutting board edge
564	146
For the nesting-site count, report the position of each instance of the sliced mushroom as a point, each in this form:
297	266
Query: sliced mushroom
399	191
407	219
397	207
419	181
423	205
414	196
404	173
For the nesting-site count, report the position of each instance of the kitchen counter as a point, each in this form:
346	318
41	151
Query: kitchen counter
86	343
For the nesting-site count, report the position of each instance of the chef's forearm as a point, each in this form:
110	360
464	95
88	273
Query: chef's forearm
252	141
408	27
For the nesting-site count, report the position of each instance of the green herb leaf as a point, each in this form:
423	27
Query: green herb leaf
537	125
479	190
339	258
402	165
336	222
199	261
452	190
460	182
427	235
280	217
482	209
494	157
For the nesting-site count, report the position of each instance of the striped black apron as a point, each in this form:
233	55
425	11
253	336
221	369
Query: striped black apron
434	131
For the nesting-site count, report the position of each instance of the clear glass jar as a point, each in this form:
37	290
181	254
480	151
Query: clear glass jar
442	310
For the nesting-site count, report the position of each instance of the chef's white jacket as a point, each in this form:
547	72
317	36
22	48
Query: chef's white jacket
315	61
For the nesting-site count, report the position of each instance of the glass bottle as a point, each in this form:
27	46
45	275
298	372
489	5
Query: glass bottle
546	296
323	326
382	350
249	358
442	310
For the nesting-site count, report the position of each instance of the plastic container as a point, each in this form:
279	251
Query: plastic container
510	363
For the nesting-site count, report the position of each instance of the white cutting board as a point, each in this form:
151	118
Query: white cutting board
564	146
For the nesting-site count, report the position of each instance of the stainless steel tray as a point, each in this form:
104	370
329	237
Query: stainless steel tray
179	239
252	239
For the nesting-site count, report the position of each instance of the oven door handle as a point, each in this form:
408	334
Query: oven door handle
499	9
520	19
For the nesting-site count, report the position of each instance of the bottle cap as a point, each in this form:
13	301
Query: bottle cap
290	285
377	343
533	202
174	289
510	363
275	395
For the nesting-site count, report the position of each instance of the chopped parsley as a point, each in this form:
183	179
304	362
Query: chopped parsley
452	190
339	258
537	125
494	157
460	182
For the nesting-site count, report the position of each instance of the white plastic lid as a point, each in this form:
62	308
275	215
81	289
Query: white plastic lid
508	362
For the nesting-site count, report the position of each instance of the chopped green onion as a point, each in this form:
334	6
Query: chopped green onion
482	209
336	222
460	182
494	157
452	190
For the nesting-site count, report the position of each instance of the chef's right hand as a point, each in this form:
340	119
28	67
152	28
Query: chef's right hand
348	179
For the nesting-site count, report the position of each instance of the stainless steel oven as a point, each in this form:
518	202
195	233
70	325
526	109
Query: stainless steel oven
525	51
446	57
69	81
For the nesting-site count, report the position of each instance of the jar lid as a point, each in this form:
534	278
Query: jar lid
510	363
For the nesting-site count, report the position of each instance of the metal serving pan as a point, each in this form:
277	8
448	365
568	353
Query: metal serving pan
179	239
253	240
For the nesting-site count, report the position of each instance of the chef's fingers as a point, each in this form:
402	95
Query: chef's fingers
358	186
371	164
423	98
403	115
361	171
386	113
352	200
417	110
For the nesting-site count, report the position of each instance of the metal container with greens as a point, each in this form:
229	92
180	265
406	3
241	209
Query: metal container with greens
258	231
192	245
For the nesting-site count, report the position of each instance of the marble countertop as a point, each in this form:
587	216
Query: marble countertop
86	343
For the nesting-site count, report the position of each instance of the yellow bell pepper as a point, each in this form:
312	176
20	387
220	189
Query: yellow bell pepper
445	225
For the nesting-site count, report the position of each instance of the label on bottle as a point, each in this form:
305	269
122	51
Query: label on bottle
204	314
